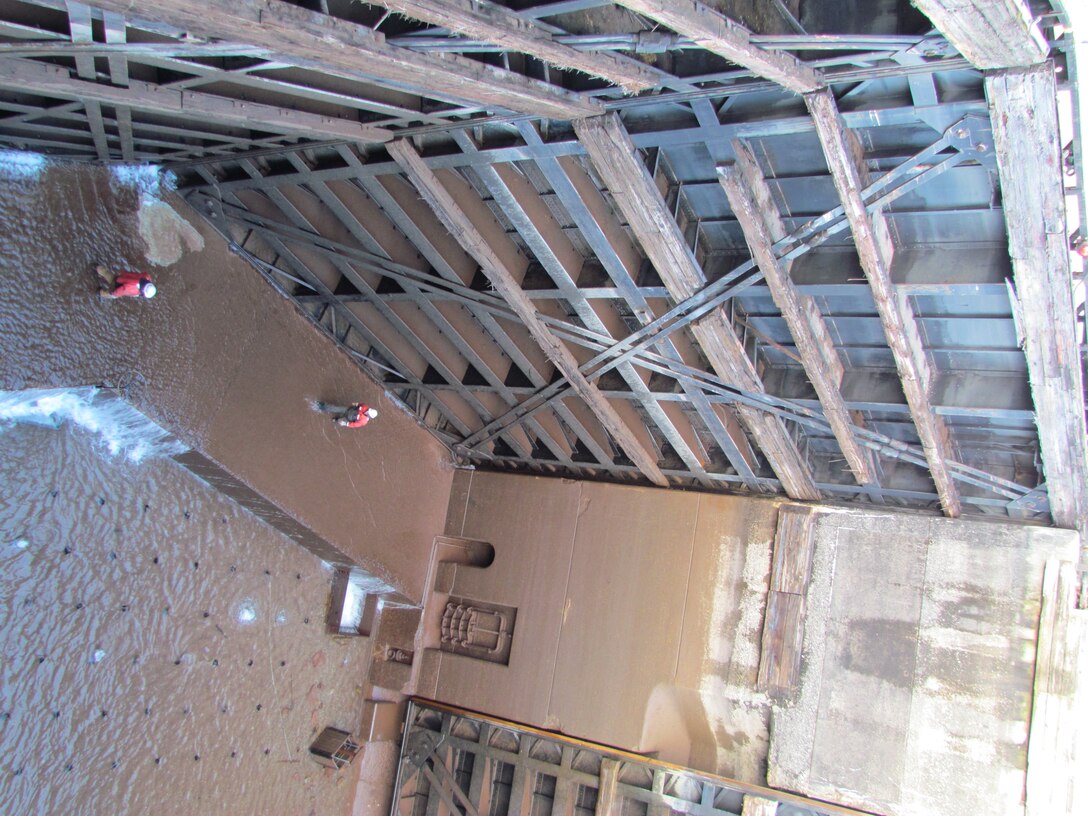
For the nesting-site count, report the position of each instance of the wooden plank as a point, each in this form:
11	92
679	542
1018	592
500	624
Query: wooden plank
606	786
758	806
780	648
489	22
989	33
618	163
793	545
332	45
52	80
752	203
1025	129
872	238
715	32
501	277
1052	767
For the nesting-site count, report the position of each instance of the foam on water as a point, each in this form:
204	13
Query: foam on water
21	164
146	178
122	429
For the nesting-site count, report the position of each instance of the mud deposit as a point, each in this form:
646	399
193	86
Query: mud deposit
161	650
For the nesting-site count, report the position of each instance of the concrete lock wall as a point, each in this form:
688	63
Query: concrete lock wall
638	615
218	358
639	625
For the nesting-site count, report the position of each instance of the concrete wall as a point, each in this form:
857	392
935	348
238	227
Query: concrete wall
218	358
640	617
161	650
639	613
918	663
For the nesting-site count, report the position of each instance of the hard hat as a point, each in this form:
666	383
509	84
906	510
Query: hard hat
147	289
372	412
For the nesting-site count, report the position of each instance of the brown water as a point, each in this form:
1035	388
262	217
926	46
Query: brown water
217	357
161	650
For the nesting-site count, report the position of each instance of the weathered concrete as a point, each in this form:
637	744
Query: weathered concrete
917	666
219	359
639	614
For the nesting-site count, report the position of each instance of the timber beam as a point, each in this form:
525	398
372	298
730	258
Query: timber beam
618	163
52	80
504	281
489	22
989	33
873	241
713	31
1025	129
332	45
752	203
542	234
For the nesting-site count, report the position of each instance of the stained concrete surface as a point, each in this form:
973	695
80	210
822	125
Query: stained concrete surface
639	613
161	650
917	667
640	617
218	358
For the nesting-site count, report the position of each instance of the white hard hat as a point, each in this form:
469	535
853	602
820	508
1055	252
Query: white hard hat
148	290
372	412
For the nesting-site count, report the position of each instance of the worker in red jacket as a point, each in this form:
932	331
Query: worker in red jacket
355	415
125	284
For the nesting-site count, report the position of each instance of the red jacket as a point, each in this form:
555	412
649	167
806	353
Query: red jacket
361	418
127	284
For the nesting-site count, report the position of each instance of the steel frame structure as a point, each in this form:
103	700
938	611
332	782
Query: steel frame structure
334	225
456	762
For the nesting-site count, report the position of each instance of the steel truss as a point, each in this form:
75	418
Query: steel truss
453	762
333	225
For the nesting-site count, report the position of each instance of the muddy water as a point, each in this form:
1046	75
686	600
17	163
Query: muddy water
161	650
218	358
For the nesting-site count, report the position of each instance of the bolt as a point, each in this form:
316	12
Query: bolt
961	133
982	147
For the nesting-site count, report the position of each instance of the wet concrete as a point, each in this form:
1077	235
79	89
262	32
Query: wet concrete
218	358
161	650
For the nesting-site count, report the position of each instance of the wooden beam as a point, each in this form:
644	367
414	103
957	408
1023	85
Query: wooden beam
502	278
52	80
1059	665
758	806
621	168
753	205
989	33
872	238
489	22
325	43
780	646
715	32
784	623
606	787
794	542
1025	128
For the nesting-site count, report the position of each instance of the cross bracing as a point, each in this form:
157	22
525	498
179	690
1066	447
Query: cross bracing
550	296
